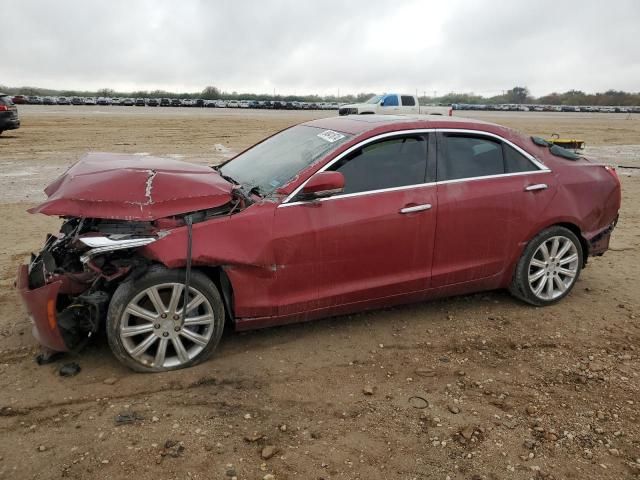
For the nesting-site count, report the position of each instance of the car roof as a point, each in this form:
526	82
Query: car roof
365	126
374	124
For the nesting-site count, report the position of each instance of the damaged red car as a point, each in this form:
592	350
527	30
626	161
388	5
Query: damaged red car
324	218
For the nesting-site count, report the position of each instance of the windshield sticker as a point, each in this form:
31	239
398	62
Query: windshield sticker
330	136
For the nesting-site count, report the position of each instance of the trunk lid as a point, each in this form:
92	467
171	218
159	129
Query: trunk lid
133	187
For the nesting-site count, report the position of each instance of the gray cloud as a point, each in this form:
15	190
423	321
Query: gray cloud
306	47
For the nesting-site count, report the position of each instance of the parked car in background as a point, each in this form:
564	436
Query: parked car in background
221	104
49	101
20	100
175	102
77	101
392	104
90	101
9	119
34	100
127	102
104	101
140	102
63	101
328	217
153	102
233	104
165	102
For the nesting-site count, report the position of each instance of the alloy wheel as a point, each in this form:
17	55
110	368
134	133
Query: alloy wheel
553	268
152	329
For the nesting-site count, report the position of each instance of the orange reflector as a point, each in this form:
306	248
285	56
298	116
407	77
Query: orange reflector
51	314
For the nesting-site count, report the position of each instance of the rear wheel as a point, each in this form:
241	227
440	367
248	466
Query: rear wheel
549	267
148	329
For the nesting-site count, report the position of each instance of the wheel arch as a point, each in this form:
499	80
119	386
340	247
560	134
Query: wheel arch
575	229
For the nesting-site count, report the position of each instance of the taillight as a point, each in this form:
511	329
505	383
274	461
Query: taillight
4	108
613	172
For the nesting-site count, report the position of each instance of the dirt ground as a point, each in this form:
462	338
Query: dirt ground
474	387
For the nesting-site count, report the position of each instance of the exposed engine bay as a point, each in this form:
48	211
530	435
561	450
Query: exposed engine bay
90	258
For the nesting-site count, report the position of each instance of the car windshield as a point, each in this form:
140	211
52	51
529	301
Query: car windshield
274	162
374	99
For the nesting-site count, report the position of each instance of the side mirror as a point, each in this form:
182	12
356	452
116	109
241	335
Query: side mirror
322	185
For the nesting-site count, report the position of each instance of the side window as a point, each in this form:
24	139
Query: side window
386	164
515	162
468	156
408	101
390	101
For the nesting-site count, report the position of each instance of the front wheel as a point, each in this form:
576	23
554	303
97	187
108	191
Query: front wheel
549	267
148	329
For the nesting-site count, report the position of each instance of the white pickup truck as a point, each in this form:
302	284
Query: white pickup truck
393	104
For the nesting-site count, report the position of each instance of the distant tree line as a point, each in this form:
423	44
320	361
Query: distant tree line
520	95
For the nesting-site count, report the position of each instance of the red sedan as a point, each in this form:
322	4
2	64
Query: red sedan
327	217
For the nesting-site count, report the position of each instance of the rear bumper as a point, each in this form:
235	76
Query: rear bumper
41	306
599	243
9	123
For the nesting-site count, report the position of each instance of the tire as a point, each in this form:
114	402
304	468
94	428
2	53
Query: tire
544	278
144	328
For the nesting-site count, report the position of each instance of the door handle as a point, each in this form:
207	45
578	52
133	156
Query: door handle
537	186
416	208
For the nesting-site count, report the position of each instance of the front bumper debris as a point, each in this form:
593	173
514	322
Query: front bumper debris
41	305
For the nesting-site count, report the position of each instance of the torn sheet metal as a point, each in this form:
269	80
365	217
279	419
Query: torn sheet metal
130	187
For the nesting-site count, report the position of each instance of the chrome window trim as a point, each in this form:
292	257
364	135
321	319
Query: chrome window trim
541	167
359	194
499	175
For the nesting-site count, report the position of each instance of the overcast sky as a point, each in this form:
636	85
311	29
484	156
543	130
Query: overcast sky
300	46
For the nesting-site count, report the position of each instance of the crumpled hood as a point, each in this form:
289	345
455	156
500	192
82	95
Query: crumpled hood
132	187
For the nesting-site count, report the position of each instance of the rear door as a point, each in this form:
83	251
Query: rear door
486	205
409	104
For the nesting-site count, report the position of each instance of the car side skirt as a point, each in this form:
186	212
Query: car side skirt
484	284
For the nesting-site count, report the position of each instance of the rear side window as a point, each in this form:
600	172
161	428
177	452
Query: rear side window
5	100
468	157
390	101
515	162
390	163
408	101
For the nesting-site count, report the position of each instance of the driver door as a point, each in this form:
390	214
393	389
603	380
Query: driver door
374	241
390	104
